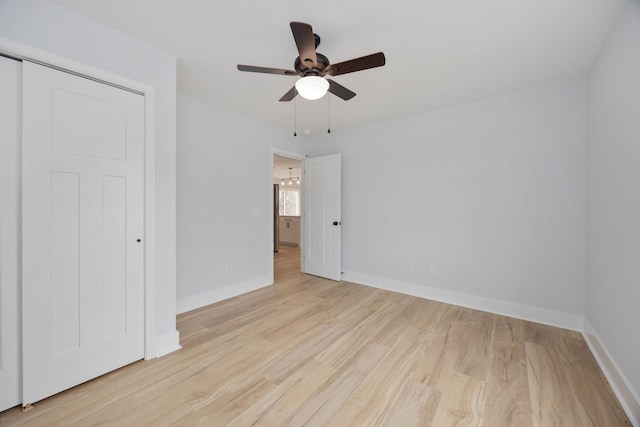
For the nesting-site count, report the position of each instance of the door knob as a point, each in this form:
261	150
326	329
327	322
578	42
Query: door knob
337	223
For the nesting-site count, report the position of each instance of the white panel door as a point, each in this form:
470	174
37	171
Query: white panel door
82	230
10	108
321	228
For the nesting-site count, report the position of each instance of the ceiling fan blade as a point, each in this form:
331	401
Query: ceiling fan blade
289	95
357	64
340	91
306	43
267	70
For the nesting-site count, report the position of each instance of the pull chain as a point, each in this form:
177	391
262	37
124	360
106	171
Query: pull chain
329	113
295	115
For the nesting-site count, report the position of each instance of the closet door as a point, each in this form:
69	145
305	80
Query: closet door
82	230
10	96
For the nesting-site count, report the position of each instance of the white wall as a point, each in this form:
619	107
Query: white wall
224	173
47	26
613	209
492	193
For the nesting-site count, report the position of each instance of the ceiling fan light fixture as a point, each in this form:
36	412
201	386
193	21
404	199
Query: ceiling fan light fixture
312	87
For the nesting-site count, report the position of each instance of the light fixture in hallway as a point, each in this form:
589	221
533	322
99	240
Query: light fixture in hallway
291	179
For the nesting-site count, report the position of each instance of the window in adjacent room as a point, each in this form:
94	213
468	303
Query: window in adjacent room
289	203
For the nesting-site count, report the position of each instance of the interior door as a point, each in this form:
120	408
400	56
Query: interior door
10	107
82	230
321	223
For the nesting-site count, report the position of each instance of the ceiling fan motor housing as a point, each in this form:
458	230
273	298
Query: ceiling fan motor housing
305	70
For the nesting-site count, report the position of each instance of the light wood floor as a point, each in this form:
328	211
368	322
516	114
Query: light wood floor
309	351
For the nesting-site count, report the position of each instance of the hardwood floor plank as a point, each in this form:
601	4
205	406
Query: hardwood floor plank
462	402
549	389
435	365
369	330
415	406
440	350
373	399
280	368
507	400
234	401
475	343
594	395
283	401
321	409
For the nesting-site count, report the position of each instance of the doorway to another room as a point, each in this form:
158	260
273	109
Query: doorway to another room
287	212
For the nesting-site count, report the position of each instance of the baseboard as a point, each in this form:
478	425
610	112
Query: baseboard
505	308
289	244
219	294
167	343
625	394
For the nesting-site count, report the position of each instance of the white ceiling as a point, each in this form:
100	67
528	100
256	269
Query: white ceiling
439	52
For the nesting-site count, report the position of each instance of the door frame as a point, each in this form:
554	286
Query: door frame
296	156
22	51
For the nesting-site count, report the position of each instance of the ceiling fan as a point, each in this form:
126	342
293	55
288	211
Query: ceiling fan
312	67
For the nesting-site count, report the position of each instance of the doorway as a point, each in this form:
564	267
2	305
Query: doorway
287	214
319	212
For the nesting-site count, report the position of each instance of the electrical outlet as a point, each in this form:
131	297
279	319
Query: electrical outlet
409	267
229	268
433	270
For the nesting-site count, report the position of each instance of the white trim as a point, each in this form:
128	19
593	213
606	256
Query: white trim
505	308
215	295
19	50
150	224
628	398
10	246
167	343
